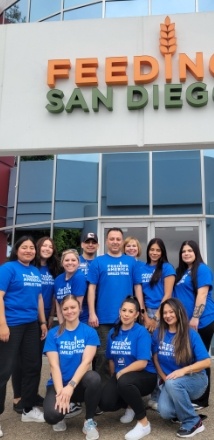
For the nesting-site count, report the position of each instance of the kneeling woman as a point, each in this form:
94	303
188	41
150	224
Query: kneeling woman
70	349
132	375
180	358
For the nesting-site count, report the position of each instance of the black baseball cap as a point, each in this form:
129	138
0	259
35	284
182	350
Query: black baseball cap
90	236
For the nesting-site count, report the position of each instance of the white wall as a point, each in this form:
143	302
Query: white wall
26	127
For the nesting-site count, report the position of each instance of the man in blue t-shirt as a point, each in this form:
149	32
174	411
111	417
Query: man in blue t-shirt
111	279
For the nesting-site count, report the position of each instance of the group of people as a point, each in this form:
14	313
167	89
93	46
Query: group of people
126	329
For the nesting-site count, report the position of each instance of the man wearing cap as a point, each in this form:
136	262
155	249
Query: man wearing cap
89	246
111	279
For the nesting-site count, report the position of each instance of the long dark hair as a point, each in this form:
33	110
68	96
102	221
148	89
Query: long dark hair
52	262
132	300
163	259
16	246
182	266
181	340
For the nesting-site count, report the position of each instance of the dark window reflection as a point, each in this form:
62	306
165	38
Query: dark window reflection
17	13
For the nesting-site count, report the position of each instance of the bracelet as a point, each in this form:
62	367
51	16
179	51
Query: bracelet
155	318
43	322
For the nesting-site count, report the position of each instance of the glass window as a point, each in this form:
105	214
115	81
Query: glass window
36	231
209	181
205	5
125	184
177	183
76	189
130	8
42	8
172	6
73	3
69	235
53	18
35	191
17	13
92	11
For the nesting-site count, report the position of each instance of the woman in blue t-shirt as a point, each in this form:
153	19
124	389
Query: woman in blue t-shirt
132	373
180	358
71	281
47	262
70	349
21	305
193	287
157	278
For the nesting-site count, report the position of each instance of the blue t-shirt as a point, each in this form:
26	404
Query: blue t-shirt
47	289
84	267
114	278
183	290
76	285
22	285
130	346
70	346
153	295
165	350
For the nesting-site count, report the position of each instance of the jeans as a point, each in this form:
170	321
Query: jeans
176	395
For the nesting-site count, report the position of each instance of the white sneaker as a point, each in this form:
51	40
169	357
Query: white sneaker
1	432
90	430
128	416
35	415
60	426
152	404
138	432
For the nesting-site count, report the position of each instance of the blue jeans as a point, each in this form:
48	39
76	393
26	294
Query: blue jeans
176	395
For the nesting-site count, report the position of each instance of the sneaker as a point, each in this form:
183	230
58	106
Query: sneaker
197	407
138	432
128	416
98	411
199	427
90	430
75	410
1	432
18	407
60	426
35	415
152	404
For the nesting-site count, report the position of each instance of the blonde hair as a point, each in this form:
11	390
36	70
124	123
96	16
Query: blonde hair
69	251
127	240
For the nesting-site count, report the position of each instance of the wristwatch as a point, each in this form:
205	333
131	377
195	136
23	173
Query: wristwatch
142	310
72	383
155	318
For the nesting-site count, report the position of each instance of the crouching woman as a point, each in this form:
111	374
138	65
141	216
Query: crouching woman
180	358
70	349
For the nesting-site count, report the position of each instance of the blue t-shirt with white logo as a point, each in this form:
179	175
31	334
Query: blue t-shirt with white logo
22	285
130	346
47	289
114	278
153	295
165	350
184	291
70	346
76	285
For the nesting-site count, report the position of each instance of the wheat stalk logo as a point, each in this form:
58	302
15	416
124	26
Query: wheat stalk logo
168	45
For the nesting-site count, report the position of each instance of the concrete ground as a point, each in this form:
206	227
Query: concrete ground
109	425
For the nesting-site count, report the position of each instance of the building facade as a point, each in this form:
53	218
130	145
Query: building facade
148	193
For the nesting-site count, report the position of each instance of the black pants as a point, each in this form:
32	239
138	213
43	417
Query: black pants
88	390
17	370
100	363
128	391
206	334
23	341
